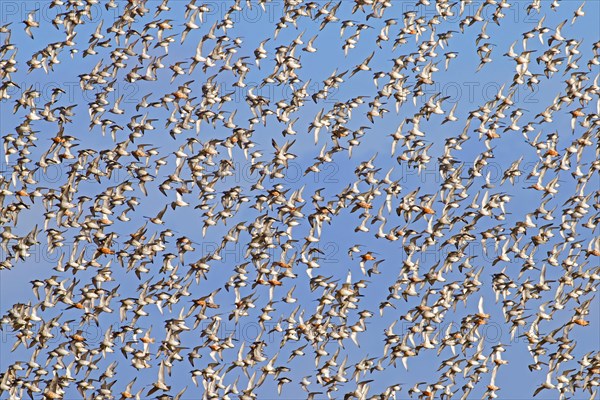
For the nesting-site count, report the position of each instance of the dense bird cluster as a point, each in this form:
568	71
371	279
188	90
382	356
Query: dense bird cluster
197	280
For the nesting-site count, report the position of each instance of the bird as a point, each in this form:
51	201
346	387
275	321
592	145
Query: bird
30	22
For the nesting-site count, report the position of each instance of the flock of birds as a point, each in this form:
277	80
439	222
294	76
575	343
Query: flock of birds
520	251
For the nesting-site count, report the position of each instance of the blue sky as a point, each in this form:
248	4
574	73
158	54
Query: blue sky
460	82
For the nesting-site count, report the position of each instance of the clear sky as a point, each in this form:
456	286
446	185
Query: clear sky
460	82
